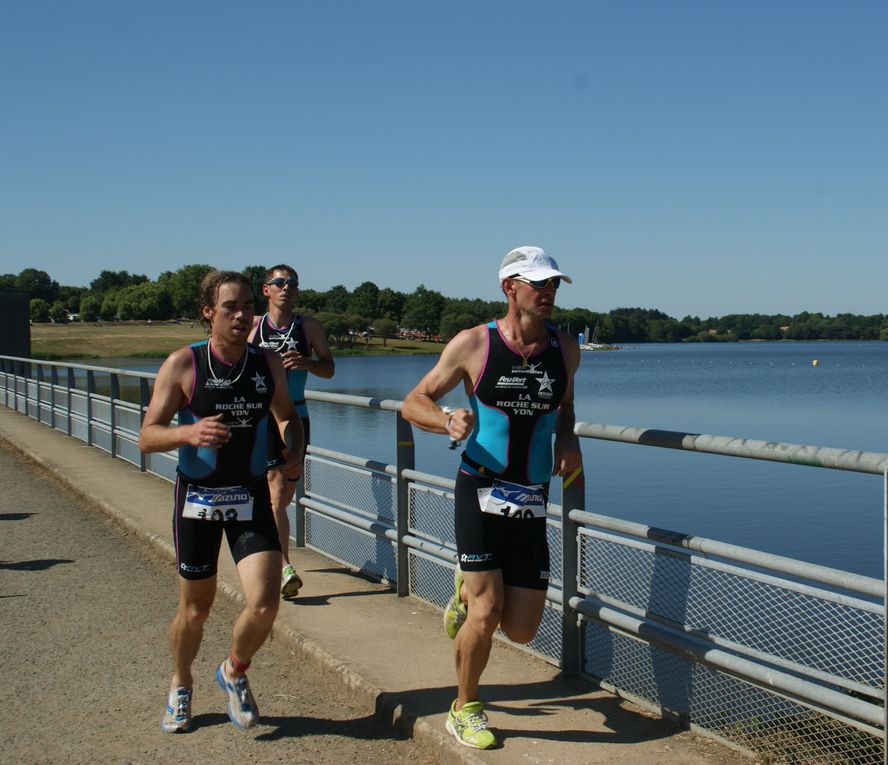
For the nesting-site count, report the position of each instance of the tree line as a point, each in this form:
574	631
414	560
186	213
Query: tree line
424	313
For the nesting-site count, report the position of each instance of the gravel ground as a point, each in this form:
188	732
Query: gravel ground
85	610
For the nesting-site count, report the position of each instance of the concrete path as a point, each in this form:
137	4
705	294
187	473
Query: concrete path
387	652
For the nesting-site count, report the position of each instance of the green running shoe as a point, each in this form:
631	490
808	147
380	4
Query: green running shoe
291	582
456	612
469	726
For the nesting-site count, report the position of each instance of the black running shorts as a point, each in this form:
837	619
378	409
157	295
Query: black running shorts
487	542
198	542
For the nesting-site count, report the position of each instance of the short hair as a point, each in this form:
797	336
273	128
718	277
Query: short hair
209	290
269	274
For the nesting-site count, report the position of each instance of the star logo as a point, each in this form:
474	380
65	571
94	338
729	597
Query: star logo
546	383
291	344
260	383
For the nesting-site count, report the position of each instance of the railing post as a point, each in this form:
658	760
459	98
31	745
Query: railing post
573	497
53	384
90	392
72	382
885	613
112	416
405	460
144	396
39	383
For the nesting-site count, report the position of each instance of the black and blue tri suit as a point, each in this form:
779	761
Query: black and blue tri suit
242	392
281	340
515	402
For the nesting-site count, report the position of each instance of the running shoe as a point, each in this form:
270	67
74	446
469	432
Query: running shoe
242	709
469	726
177	715
456	612
291	582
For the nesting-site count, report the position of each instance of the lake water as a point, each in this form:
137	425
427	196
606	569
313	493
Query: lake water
769	391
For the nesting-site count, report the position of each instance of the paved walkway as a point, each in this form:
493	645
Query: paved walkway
389	651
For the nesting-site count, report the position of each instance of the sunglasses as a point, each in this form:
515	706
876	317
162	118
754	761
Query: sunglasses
279	282
539	284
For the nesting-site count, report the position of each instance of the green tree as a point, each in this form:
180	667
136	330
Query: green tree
454	323
58	313
883	333
336	324
336	299
310	301
90	308
38	283
364	301
109	306
150	300
7	282
391	304
39	310
112	280
256	275
182	286
385	328
423	310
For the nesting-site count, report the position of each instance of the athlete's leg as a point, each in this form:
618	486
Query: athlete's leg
282	490
259	574
186	630
522	612
483	592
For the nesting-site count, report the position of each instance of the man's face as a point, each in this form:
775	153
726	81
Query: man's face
231	319
281	289
538	301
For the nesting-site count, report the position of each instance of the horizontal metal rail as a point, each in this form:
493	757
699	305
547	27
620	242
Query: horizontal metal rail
704	652
729	446
811	571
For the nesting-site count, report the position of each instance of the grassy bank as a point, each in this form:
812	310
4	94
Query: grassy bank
158	339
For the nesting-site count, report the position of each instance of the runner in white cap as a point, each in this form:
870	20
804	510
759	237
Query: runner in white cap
518	374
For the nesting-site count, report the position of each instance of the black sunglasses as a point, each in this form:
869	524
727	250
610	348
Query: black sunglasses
279	281
539	284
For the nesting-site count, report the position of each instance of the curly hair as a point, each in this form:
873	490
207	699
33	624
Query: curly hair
209	290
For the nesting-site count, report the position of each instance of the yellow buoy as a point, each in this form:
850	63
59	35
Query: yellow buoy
815	363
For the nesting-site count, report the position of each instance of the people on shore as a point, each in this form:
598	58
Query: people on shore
518	373
302	345
225	391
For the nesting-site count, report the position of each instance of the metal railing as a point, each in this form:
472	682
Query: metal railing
768	654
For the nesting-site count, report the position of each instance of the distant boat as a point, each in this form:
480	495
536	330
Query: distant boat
593	344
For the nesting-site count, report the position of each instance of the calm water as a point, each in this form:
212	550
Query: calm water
769	391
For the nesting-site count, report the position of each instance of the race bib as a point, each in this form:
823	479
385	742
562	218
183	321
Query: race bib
513	500
226	503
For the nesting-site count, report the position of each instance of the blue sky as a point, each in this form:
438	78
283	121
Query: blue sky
700	157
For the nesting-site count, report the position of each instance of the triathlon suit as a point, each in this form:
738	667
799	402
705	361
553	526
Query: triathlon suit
281	340
224	489
502	487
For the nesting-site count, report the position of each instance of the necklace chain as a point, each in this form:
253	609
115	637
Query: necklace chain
283	342
526	356
224	379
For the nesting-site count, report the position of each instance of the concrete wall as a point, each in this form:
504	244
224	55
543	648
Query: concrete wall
15	323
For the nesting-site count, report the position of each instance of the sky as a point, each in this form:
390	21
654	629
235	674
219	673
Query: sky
700	157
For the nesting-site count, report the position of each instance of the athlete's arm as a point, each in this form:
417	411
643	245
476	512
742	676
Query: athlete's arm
320	359
174	378
287	420
567	445
454	365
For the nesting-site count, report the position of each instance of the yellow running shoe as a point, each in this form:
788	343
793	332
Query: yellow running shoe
456	612
291	582
469	726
